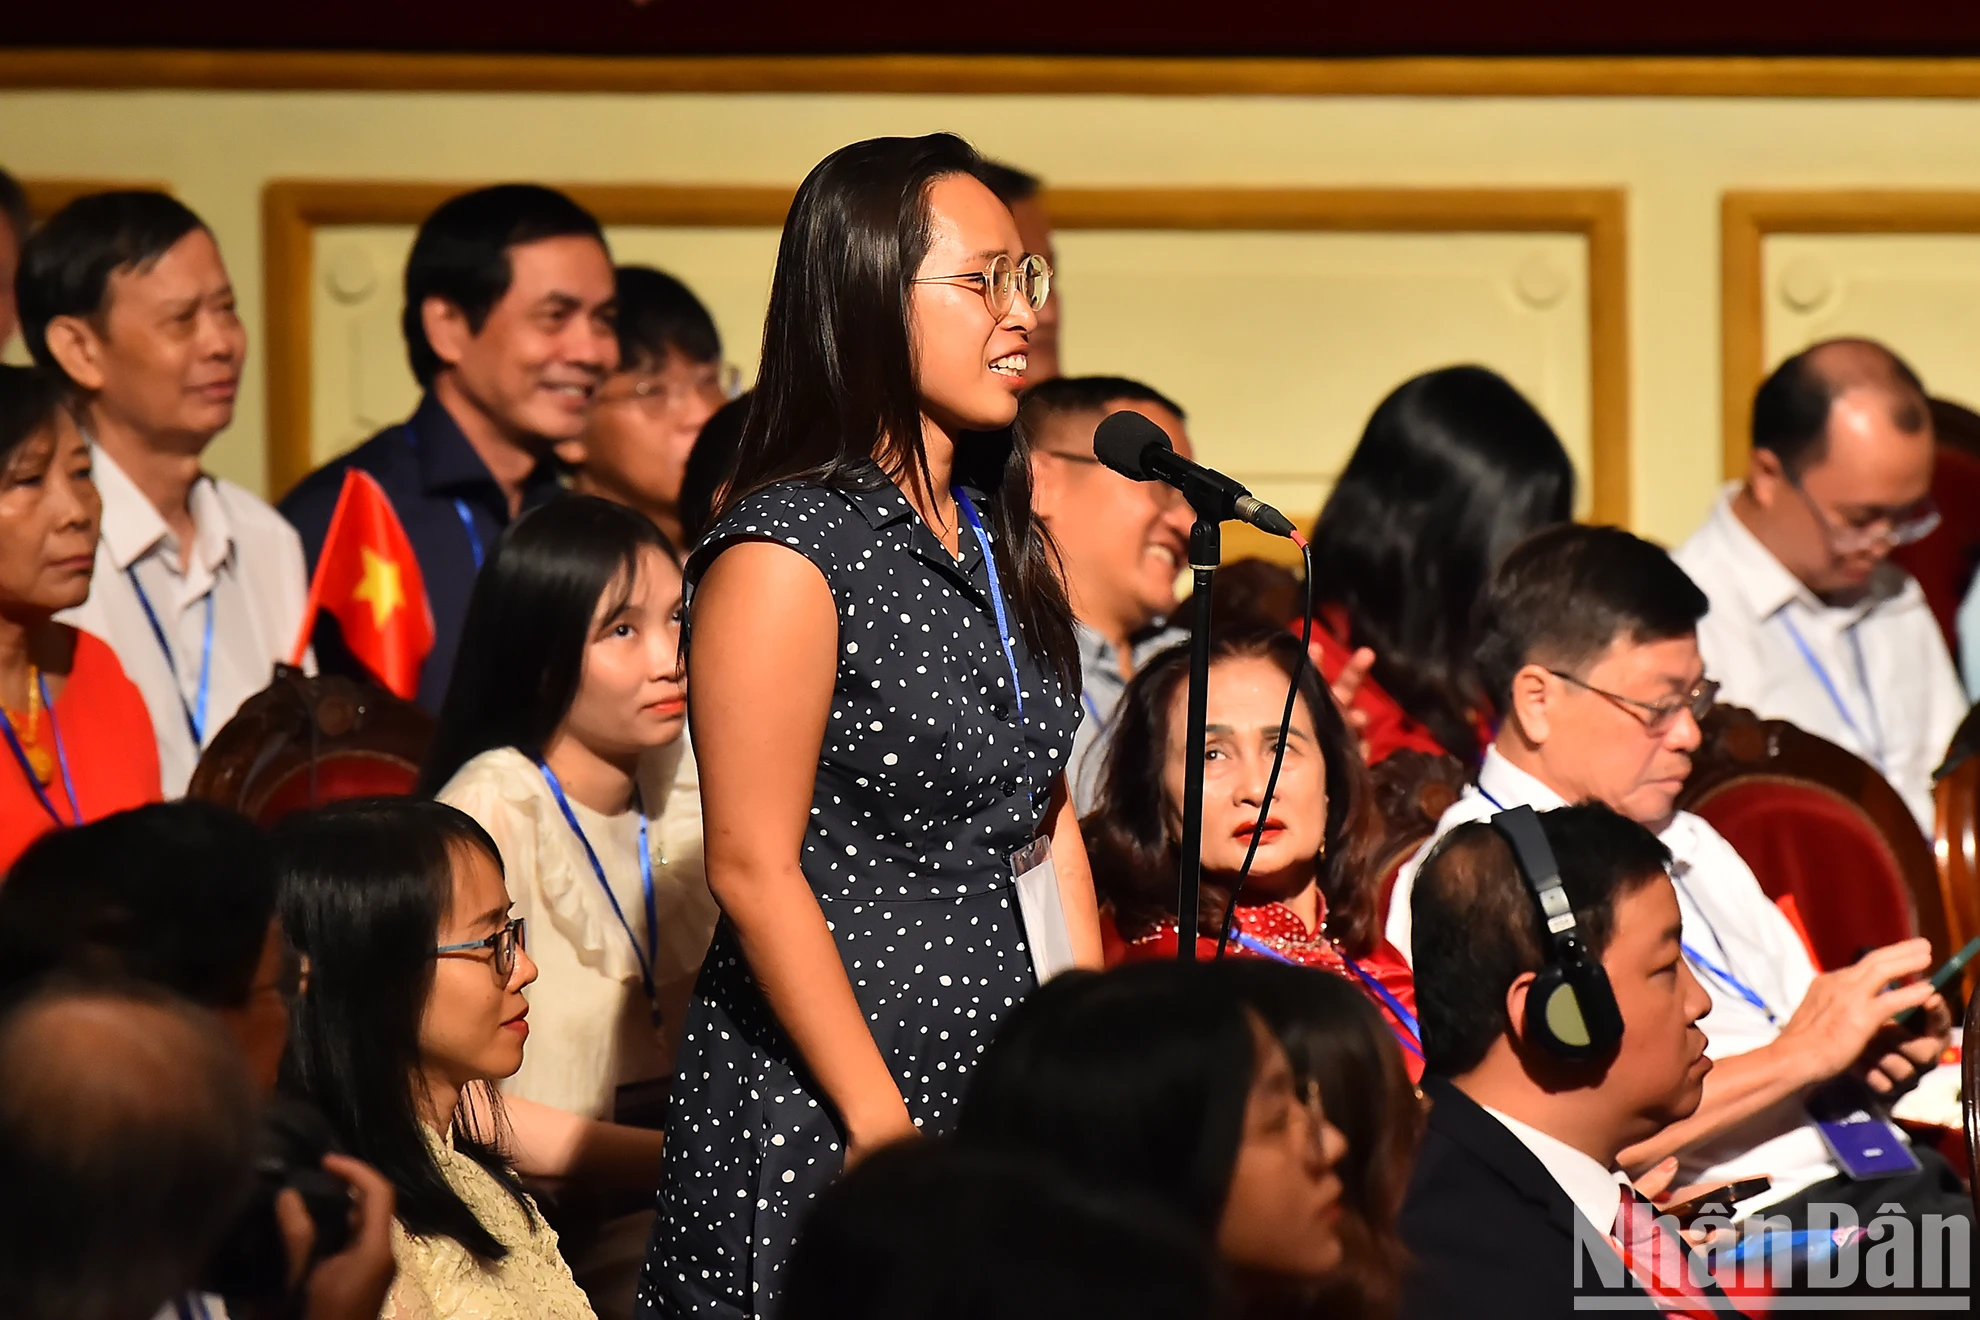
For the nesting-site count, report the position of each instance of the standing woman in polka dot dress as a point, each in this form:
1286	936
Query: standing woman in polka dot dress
883	685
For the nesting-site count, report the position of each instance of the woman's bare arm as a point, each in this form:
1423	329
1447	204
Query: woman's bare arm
1075	876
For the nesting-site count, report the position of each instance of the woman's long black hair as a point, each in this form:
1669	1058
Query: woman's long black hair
837	389
365	885
528	621
1135	851
1454	468
1134	1080
1337	1041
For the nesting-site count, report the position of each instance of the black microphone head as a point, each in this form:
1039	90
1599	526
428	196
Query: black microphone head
1121	440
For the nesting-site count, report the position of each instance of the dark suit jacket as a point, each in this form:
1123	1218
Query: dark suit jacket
1489	1231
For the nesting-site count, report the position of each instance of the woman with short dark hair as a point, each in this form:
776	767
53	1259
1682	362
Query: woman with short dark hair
884	686
1454	468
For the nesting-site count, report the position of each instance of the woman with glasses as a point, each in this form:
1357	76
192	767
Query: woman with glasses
1308	898
73	741
413	1008
884	686
648	413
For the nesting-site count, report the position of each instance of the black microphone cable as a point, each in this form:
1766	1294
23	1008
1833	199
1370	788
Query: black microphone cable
1279	752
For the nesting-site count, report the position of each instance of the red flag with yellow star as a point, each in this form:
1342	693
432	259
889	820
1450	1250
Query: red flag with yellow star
368	579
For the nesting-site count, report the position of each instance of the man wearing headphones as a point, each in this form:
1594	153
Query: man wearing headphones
1560	1025
1588	643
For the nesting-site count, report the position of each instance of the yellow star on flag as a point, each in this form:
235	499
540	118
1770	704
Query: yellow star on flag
380	587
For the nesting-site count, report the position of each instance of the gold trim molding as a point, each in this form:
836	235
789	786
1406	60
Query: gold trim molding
992	74
292	210
1745	221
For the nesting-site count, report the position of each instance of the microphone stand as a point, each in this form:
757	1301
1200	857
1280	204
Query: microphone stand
1205	551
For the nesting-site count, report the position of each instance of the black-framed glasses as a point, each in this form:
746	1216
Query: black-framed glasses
502	944
1874	528
1003	279
1660	714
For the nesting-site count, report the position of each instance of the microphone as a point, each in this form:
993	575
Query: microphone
1134	446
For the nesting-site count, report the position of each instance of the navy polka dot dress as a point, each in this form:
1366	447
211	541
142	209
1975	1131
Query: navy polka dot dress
927	782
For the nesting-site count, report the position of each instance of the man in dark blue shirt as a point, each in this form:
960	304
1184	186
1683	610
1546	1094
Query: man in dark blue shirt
508	323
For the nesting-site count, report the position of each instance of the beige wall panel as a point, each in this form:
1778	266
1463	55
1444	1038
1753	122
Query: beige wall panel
1281	344
1920	293
1675	157
360	380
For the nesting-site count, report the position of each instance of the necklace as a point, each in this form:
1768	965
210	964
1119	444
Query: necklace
40	760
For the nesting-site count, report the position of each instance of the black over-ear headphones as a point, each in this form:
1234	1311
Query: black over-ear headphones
1571	1009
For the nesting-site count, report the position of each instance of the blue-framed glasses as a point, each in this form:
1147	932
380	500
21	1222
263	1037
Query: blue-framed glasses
502	944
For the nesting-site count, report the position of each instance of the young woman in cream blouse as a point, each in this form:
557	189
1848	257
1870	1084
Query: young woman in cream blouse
563	736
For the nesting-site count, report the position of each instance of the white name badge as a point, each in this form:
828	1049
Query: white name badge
1042	909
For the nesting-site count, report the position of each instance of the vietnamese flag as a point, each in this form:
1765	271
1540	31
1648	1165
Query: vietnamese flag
368	579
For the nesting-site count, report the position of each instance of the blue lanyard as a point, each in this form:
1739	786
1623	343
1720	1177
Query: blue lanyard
192	1307
1410	1037
1092	706
61	759
461	509
196	712
651	953
996	592
1720	973
1875	749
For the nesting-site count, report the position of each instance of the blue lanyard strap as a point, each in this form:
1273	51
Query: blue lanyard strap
649	954
61	759
461	510
1410	1037
1720	971
1873	743
996	592
196	711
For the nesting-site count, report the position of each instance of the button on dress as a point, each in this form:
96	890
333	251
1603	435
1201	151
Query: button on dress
928	780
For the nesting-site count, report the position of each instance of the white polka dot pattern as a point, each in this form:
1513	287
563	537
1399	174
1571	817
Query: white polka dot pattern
927	782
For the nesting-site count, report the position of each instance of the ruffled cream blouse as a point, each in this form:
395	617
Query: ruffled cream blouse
439	1279
590	1027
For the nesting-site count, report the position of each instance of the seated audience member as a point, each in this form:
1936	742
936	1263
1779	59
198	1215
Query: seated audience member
926	1230
710	464
15	221
648	414
126	1147
77	734
1341	1049
560	736
1811	621
1454	467
1121	544
1306	899
508	323
1587	641
1157	1082
1019	192
414	1007
199	586
1517	1186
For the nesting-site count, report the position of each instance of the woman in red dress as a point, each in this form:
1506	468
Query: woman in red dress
75	741
1307	898
1454	467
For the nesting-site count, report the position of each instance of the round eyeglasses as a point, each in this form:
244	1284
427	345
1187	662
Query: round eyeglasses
502	944
1874	529
1657	717
1003	279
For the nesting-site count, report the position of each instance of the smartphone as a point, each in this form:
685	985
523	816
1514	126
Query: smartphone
1911	1018
1686	1212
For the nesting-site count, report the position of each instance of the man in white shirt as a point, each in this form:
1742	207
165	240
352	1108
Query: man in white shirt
199	586
1810	620
1517	1205
1121	544
1587	645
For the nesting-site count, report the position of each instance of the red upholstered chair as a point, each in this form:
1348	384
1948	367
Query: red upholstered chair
301	742
1821	827
1411	790
1945	561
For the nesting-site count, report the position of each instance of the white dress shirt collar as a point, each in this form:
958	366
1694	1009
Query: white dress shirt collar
133	528
1506	785
1593	1189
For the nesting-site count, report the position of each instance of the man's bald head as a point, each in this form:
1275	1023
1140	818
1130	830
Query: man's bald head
126	1147
1792	411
